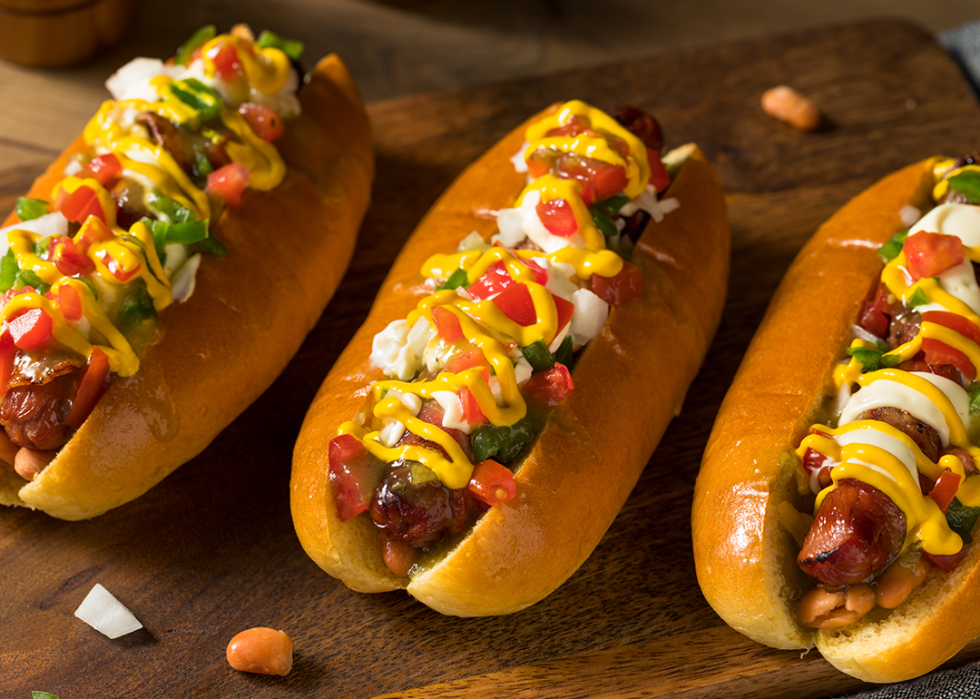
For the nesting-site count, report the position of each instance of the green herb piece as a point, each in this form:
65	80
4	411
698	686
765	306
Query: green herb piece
8	271
456	279
918	298
961	519
91	287
564	355
538	356
30	209
603	222
198	39
172	209
27	277
891	360
504	443
420	474
42	695
292	48
968	184
975	400
893	248
41	247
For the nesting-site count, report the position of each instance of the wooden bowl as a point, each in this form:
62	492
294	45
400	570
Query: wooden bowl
54	33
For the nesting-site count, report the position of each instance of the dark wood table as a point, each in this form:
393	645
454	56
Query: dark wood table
211	550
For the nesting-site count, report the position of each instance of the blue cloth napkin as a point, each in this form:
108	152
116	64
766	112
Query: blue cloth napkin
963	44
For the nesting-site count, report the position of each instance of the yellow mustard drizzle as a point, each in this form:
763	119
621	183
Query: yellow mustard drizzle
926	523
483	324
134	252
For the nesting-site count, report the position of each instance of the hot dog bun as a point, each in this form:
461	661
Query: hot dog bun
249	314
592	450
745	556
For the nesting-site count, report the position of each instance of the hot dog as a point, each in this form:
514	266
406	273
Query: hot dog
168	264
838	489
472	444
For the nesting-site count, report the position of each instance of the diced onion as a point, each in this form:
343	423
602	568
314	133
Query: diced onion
909	215
861	334
185	279
46	226
106	614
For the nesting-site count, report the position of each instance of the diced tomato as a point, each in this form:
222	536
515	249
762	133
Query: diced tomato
433	414
929	254
875	316
497	278
947	563
557	216
624	287
447	324
492	483
8	351
94	230
609	180
945	489
105	168
515	303
79	205
549	387
565	310
116	269
473	357
227	64
90	390
228	182
264	121
354	476
537	168
955	322
471	409
69	302
940	353
31	329
658	173
10	293
66	256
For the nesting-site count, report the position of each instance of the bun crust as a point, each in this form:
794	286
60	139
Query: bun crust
594	447
249	313
745	558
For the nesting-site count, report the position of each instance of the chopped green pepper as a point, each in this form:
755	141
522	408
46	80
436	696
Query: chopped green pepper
198	39
292	48
199	96
974	396
212	246
174	210
962	519
456	279
538	356
30	209
28	277
918	298
137	307
202	166
506	443
564	355
603	222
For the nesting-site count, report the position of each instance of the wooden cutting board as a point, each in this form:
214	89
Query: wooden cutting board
211	550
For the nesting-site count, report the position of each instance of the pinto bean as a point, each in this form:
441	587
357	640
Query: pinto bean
896	583
820	608
261	650
29	463
786	104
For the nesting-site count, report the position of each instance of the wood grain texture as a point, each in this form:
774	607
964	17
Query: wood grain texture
210	551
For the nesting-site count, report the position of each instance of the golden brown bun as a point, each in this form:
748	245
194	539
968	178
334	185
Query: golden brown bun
591	452
745	559
246	319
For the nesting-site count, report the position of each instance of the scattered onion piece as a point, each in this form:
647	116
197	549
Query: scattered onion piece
106	614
